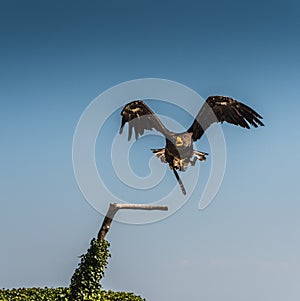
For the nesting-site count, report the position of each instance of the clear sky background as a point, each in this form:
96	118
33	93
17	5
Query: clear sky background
57	56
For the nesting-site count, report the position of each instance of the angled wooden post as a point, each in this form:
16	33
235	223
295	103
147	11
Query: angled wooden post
114	207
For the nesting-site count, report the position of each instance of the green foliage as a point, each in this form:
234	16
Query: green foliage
85	282
61	294
119	296
35	294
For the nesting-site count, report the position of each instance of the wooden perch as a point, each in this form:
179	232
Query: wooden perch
114	207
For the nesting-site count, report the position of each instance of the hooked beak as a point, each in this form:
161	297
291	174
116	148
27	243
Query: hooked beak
179	141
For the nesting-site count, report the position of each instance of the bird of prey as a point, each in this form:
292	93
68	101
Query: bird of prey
178	151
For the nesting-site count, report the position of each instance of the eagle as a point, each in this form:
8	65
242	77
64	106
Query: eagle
179	151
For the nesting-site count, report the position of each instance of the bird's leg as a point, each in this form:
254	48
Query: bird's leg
193	162
179	181
160	154
199	155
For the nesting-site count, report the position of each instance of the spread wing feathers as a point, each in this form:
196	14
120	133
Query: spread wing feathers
220	109
140	118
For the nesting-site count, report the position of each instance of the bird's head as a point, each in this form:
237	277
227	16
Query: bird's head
179	141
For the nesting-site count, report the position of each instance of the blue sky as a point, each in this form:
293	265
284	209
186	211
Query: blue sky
56	57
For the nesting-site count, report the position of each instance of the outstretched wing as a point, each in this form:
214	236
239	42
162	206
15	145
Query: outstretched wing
220	109
140	118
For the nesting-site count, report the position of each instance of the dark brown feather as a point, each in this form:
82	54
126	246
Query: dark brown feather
220	109
140	118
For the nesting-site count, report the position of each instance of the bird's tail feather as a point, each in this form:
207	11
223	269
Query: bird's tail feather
179	181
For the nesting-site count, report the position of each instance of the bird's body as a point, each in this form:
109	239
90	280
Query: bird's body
179	151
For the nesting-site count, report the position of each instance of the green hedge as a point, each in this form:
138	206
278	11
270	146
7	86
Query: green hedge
35	294
61	294
85	282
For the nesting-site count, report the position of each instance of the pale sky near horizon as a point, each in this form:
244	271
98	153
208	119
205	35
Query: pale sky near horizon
56	57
